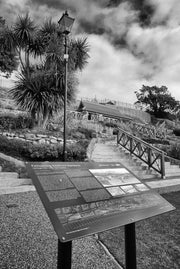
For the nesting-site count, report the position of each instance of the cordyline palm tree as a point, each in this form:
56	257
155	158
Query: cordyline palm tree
40	88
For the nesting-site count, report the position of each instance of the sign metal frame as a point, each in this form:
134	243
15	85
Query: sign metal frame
128	208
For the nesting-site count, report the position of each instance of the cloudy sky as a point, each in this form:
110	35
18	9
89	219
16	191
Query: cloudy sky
132	42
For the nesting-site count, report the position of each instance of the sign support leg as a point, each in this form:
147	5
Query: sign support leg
130	246
64	255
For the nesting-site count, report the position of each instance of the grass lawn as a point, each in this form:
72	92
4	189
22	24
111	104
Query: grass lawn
158	239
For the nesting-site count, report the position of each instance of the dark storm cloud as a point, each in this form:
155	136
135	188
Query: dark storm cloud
49	3
145	9
132	42
80	8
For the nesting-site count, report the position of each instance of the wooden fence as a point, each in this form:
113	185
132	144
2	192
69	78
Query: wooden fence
150	155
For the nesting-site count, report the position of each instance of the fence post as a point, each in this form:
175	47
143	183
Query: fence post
131	145
162	166
149	157
118	137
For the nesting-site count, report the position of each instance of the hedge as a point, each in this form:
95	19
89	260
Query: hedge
39	152
12	122
171	150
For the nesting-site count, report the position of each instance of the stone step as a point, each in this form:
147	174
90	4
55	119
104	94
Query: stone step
4	175
145	172
172	166
135	161
134	168
169	164
172	171
13	182
107	160
176	173
18	189
165	185
146	176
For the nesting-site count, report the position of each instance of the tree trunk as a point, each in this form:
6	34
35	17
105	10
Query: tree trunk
33	116
45	118
39	119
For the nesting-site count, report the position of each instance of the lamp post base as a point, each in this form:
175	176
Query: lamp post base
64	155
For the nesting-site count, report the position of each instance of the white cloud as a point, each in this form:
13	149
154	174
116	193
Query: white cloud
152	56
159	48
166	11
119	19
111	73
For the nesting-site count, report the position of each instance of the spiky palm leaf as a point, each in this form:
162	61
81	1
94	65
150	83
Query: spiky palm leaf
36	45
54	51
78	53
24	29
40	92
48	28
41	38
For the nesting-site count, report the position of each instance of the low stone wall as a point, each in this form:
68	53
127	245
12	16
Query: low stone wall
36	138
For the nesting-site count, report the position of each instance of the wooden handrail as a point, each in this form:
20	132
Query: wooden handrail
149	154
143	142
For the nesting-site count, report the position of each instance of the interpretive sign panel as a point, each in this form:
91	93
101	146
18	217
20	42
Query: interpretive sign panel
86	198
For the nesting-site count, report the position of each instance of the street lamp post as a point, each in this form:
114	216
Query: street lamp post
65	25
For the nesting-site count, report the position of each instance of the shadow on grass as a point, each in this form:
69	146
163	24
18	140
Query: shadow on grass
157	239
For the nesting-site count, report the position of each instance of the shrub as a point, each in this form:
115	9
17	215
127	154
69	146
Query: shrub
176	132
88	133
156	141
172	150
111	124
12	122
115	131
40	152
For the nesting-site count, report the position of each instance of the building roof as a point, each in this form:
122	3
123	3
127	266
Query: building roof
105	110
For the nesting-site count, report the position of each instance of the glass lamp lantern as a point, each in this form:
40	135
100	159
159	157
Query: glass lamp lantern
65	23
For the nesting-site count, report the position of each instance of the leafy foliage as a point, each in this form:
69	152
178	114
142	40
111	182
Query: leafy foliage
157	100
42	93
8	55
40	88
13	122
38	152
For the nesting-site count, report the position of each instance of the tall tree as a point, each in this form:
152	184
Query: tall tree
36	83
157	100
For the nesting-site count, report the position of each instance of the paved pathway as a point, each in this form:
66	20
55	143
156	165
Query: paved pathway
103	151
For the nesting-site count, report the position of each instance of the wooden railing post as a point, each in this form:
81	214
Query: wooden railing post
149	157
162	166
131	145
118	137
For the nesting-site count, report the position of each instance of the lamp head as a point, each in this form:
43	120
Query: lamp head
65	23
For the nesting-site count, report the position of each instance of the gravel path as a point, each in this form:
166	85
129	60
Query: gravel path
28	241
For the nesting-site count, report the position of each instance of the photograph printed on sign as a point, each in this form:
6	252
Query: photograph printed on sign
114	177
